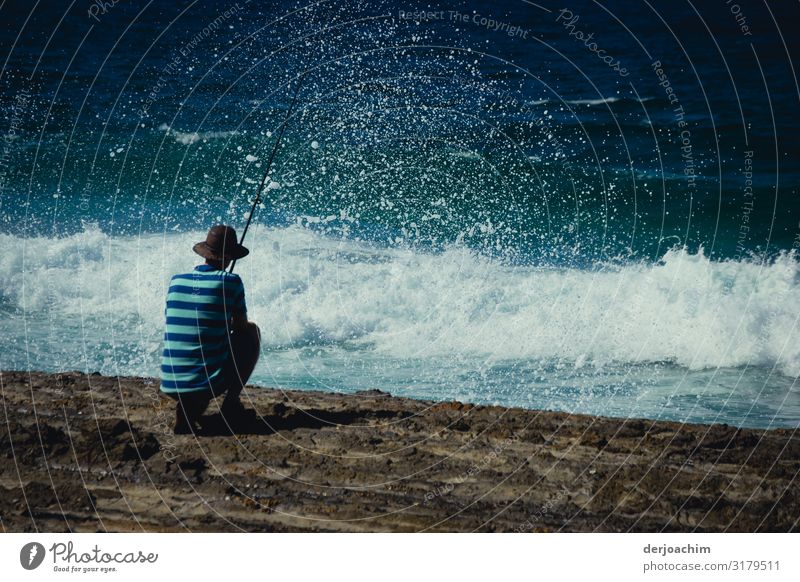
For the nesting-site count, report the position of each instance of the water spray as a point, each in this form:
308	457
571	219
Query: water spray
260	189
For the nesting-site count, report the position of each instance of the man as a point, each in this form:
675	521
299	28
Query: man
209	346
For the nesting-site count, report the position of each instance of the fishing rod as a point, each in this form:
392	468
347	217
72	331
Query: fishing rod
257	200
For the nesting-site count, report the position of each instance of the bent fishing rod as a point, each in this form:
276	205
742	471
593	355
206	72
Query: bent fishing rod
257	199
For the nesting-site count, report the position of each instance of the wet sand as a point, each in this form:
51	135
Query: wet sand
92	453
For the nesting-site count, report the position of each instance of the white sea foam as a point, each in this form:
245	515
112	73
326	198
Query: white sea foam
466	154
305	289
588	102
190	137
601	101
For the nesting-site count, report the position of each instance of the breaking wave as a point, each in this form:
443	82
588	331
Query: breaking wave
306	289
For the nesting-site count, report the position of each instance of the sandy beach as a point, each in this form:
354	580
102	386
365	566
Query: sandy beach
94	453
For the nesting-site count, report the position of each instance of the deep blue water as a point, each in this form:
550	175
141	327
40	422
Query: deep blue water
588	206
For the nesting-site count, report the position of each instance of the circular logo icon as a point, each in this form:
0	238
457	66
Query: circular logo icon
31	555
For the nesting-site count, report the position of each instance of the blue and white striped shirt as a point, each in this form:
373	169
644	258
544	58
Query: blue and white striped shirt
199	308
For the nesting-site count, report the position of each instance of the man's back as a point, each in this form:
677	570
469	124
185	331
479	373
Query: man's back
199	309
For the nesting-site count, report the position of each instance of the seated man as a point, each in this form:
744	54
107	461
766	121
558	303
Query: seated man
209	346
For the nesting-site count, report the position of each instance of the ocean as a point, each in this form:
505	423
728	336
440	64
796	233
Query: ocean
590	208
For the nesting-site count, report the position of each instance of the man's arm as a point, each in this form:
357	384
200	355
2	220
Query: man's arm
239	320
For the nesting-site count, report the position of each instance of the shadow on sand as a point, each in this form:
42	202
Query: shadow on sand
290	419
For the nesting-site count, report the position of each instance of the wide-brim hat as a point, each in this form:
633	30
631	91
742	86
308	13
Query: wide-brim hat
221	244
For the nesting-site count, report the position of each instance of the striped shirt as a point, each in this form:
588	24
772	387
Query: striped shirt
199	308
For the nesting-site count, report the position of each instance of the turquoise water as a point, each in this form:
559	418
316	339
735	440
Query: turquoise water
456	211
